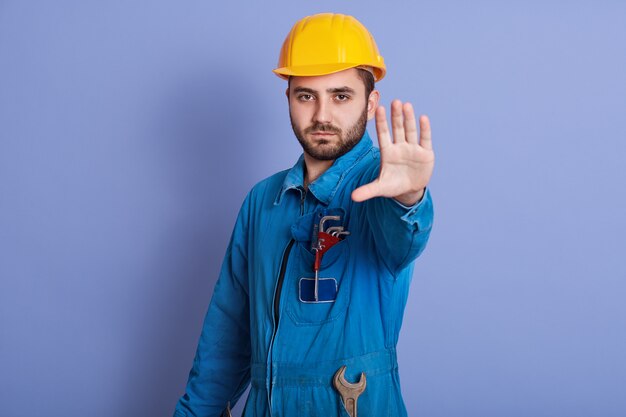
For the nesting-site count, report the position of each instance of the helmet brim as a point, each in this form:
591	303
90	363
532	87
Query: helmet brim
322	69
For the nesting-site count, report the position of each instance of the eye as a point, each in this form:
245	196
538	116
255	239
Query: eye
305	97
342	97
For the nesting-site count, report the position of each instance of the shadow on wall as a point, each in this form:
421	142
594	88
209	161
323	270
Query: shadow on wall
202	143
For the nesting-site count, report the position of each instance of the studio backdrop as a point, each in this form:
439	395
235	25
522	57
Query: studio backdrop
131	131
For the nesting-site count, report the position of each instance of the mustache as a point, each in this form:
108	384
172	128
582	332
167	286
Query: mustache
322	127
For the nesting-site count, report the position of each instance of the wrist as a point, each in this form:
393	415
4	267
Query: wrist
410	199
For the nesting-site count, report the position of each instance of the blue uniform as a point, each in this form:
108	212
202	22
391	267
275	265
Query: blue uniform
263	327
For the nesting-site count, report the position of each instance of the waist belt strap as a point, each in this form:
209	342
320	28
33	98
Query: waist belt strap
321	373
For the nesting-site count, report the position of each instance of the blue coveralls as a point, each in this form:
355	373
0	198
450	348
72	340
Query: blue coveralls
259	328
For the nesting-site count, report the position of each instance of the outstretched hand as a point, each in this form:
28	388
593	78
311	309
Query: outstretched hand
406	164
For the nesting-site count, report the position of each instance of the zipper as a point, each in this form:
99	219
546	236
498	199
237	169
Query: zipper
279	285
277	293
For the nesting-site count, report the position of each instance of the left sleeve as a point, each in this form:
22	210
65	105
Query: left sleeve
221	367
400	233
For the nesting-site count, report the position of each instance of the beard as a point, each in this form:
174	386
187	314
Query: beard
321	149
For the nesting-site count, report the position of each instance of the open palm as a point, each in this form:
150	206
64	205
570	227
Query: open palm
406	163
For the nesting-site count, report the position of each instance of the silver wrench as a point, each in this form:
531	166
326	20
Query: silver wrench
325	219
319	246
334	230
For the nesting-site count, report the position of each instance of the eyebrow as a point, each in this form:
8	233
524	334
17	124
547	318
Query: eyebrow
336	90
340	90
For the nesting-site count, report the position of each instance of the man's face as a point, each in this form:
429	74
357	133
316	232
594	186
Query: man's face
329	113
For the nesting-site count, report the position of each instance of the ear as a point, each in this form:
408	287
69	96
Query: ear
287	93
372	104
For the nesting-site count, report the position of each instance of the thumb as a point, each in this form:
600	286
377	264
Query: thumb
367	191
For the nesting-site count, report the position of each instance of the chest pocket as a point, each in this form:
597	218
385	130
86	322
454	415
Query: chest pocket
334	271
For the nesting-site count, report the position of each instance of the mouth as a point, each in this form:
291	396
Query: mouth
323	134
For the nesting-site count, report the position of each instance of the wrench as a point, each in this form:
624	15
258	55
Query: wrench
334	230
349	392
325	219
320	249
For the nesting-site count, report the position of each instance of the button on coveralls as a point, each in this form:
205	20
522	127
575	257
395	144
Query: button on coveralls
258	330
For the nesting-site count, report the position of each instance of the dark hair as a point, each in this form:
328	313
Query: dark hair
365	76
368	79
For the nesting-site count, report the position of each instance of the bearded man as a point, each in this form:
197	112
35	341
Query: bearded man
309	302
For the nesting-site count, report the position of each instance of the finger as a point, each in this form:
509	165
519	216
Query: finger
425	134
410	124
397	125
366	192
382	130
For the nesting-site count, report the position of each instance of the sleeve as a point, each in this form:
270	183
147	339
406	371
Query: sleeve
400	233
221	367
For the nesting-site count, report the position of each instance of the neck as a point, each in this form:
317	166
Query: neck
314	168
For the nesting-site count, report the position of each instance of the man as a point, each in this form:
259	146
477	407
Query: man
356	216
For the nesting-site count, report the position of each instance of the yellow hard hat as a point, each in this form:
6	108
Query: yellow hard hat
326	43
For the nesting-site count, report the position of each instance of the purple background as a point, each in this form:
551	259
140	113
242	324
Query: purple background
130	133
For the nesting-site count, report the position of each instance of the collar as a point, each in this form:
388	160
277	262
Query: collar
326	185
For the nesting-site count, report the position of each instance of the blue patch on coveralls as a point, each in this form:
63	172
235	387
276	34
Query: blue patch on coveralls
326	290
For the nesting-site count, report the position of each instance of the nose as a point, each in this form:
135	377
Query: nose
322	113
